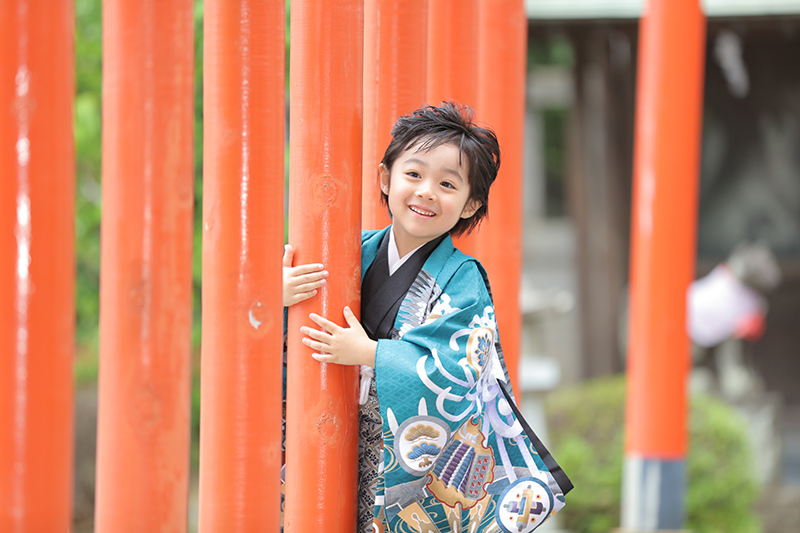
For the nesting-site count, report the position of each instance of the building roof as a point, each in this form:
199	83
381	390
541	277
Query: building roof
616	9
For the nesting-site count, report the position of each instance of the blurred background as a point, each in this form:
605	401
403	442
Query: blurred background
744	459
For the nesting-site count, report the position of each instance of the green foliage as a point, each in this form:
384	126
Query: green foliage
197	240
722	488
551	50
586	429
195	406
87	127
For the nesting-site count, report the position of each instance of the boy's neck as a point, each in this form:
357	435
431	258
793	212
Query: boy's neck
406	246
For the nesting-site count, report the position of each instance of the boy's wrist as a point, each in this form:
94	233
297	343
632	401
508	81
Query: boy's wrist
370	351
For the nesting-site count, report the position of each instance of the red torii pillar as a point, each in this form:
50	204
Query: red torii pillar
145	287
452	66
324	227
476	56
502	52
664	226
395	54
241	379
37	271
452	50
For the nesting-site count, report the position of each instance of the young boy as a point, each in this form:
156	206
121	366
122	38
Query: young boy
441	446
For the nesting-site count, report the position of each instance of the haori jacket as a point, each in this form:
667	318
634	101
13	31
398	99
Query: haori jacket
456	454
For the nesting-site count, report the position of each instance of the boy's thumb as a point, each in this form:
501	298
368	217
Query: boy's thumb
288	255
350	317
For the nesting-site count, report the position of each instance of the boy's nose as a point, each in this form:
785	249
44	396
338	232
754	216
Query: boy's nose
424	190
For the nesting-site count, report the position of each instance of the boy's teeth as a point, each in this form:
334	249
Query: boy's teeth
421	212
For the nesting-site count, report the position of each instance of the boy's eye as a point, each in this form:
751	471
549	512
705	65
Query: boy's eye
448	185
412	173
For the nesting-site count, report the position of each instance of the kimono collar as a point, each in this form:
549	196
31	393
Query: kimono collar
371	241
382	294
395	261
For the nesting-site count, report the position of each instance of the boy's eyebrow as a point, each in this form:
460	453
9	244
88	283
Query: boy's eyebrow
452	171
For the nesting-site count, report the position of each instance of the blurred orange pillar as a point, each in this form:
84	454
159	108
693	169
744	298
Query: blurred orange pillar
664	226
241	407
395	54
145	287
502	40
324	227
37	272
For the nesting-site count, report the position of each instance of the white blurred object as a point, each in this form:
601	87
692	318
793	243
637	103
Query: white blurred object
728	52
719	305
729	302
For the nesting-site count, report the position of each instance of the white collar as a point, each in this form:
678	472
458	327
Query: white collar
395	261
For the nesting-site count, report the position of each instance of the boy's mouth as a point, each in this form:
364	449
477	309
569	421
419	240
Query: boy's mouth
421	211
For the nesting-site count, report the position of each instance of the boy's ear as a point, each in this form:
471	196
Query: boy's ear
471	207
384	175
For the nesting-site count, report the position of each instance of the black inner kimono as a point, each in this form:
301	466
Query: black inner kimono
382	294
381	298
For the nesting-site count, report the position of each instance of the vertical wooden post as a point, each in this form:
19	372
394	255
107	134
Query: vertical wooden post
324	226
240	429
599	192
452	51
37	273
395	54
145	288
502	40
664	224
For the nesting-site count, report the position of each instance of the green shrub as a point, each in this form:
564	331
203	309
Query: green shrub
586	428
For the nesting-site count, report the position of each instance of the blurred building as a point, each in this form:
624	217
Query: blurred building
581	93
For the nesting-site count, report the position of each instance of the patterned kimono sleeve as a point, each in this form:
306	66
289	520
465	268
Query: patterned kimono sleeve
437	345
455	454
430	361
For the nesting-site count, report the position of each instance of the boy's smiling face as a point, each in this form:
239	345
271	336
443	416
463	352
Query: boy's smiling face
428	193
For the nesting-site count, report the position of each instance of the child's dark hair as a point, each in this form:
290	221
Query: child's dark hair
430	127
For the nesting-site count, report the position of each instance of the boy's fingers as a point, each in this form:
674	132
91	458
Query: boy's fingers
316	345
324	322
303	296
310	278
288	255
351	319
303	284
316	334
323	357
308	289
308	286
311	283
311	268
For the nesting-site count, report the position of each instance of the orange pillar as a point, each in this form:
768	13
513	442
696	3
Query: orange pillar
240	423
145	287
37	272
324	227
395	54
452	61
664	225
452	51
502	40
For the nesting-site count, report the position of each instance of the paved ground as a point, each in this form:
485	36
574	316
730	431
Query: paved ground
791	446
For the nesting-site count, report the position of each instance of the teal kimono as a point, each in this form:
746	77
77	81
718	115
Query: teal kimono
457	456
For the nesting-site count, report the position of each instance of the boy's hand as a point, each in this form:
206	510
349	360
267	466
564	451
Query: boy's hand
335	344
301	282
